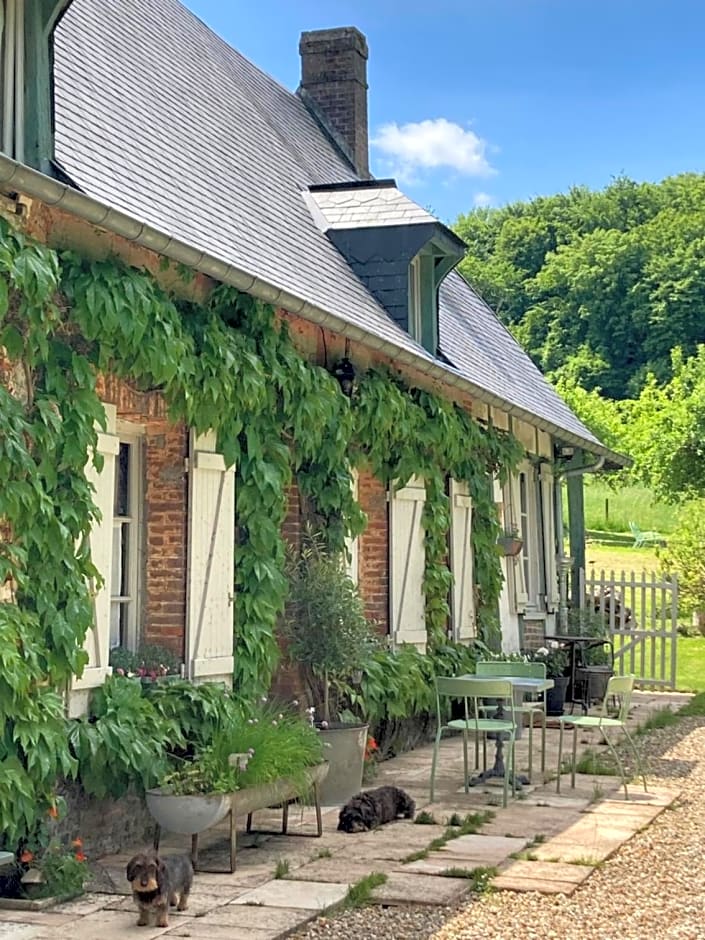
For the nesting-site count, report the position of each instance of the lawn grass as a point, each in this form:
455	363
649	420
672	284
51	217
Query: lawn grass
612	510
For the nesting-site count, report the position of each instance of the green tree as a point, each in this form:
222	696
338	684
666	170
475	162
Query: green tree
597	286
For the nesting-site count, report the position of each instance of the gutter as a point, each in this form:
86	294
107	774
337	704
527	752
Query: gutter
17	176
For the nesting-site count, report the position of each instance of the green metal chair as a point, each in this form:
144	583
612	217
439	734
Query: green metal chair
619	688
472	693
529	706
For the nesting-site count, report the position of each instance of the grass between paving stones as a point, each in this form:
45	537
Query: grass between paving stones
469	825
360	893
661	718
589	762
526	854
588	861
480	878
282	868
425	818
694	708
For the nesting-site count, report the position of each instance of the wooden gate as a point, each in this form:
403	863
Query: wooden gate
640	612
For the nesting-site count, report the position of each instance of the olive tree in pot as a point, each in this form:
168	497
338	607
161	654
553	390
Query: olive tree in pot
329	639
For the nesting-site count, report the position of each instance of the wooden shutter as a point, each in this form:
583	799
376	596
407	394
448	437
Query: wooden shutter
352	546
97	642
211	566
547	484
461	560
516	564
407	564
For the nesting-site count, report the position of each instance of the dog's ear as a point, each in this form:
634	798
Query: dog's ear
132	868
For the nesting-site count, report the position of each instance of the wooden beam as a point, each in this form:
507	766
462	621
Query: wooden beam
40	19
576	523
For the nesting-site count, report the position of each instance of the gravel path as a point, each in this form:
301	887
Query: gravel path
652	889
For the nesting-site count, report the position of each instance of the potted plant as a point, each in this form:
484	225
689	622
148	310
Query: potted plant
150	663
510	542
330	639
266	759
557	661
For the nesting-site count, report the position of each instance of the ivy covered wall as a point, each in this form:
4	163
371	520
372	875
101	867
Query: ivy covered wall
229	364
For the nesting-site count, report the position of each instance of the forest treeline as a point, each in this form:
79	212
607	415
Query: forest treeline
606	292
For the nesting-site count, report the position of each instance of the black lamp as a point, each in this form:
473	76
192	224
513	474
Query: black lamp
344	371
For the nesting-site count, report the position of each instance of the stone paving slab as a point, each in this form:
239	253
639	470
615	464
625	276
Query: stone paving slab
402	888
482	850
19	932
47	918
331	870
544	877
197	930
276	920
526	822
309	895
108	925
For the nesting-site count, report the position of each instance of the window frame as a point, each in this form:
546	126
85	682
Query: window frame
131	602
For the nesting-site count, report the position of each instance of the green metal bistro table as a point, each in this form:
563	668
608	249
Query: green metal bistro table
520	686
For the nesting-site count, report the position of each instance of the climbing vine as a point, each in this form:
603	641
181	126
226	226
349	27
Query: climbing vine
227	365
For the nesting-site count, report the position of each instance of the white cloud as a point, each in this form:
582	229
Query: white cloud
482	200
432	144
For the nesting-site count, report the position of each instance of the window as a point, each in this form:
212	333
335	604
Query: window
527	515
125	575
415	311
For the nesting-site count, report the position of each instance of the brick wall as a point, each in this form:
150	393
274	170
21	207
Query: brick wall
334	76
534	634
164	611
162	618
374	550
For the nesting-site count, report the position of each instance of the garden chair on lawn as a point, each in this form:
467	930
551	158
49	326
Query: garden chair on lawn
530	705
471	692
644	538
619	688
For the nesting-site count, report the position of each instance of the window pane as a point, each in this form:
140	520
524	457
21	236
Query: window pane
122	481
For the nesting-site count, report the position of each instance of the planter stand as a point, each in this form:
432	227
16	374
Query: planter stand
280	793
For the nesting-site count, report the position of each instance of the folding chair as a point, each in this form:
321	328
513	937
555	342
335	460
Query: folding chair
472	692
530	706
620	687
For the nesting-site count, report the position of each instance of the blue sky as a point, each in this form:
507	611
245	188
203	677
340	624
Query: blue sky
488	101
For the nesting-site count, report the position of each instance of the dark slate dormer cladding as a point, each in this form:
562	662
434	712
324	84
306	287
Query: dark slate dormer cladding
379	232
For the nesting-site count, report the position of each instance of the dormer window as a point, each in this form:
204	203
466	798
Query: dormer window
26	57
397	249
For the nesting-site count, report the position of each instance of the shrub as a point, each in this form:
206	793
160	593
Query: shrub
685	557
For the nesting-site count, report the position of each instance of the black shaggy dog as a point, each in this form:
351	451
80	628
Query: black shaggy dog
373	808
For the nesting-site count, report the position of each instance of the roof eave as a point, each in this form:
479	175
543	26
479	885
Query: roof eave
30	182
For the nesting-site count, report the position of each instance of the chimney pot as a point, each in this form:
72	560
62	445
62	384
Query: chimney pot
334	78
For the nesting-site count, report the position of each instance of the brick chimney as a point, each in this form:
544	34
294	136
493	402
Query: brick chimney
334	80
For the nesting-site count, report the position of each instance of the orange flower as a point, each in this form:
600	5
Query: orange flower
26	856
77	843
53	812
80	857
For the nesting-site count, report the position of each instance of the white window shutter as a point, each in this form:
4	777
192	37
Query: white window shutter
211	563
516	564
553	596
97	642
407	564
461	559
352	546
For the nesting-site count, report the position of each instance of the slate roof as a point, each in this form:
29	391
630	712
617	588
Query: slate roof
159	118
367	206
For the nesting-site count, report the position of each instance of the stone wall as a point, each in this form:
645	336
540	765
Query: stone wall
106	825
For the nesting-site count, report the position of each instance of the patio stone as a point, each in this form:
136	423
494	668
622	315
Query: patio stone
110	925
309	895
544	877
255	917
197	930
19	931
408	888
47	918
481	849
336	870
